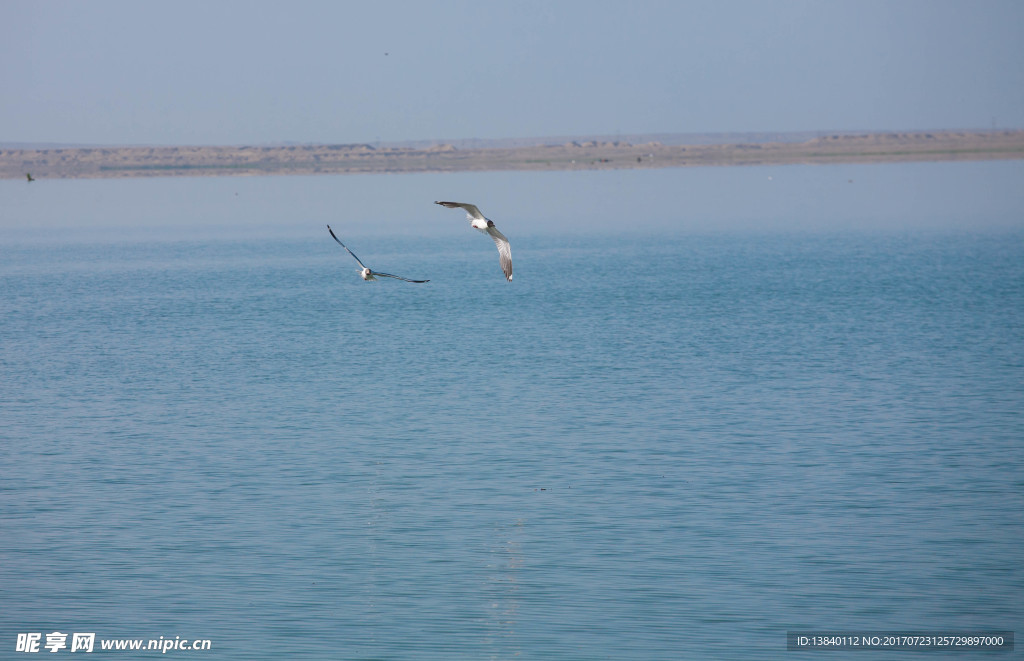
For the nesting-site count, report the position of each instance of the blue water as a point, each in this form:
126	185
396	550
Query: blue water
639	449
642	448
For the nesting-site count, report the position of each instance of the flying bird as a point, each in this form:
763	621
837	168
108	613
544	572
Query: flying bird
366	273
485	225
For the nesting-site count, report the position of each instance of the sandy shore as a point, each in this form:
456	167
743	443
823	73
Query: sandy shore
113	162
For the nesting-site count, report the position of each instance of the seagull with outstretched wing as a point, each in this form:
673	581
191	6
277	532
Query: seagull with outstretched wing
366	273
485	225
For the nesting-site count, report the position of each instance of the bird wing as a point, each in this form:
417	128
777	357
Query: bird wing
504	251
396	277
471	209
346	248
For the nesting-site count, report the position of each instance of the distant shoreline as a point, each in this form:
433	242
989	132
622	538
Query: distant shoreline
578	154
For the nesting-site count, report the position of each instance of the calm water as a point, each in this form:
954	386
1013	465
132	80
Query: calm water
640	449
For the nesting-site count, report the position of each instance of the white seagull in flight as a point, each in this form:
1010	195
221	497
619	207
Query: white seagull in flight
366	273
478	221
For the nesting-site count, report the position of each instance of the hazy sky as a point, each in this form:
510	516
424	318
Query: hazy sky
251	71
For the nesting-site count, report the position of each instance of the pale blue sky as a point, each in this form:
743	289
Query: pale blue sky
252	72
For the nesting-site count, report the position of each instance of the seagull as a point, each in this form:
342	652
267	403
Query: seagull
28	175
485	225
366	273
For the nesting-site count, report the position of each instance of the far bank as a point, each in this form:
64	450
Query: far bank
121	162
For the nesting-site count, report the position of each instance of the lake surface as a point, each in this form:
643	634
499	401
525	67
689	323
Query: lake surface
644	447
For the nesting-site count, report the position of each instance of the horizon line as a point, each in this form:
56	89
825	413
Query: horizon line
674	137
